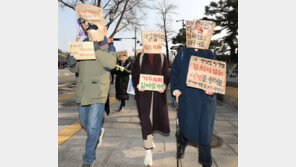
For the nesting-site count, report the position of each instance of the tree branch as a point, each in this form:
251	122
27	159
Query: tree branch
106	4
120	19
65	4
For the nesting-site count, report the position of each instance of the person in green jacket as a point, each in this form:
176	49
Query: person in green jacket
92	85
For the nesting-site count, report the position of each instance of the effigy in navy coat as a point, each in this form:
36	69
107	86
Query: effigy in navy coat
196	109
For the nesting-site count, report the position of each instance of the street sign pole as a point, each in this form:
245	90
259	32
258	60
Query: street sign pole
135	41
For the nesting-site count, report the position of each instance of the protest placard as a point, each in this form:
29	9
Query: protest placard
92	21
151	82
199	33
152	41
82	50
206	73
120	54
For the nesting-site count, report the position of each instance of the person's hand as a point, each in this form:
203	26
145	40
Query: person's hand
163	89
121	69
209	91
116	68
139	88
71	61
177	93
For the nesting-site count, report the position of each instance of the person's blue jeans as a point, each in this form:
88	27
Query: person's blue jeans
91	117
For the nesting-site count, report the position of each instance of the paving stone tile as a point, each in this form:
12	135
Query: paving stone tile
226	130
229	139
225	160
224	149
123	145
234	147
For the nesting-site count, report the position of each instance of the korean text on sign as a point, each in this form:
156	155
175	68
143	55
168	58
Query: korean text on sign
151	82
82	50
207	74
199	33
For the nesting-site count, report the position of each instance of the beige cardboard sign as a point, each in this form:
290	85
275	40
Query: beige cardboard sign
151	82
139	51
206	73
199	33
121	54
152	41
92	15
82	50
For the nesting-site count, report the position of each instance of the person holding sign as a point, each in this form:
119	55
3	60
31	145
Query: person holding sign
122	71
152	105
92	82
196	113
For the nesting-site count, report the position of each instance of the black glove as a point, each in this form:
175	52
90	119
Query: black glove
71	61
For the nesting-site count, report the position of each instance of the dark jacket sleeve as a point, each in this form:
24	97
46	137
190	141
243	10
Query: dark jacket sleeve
129	68
175	72
136	73
211	54
166	71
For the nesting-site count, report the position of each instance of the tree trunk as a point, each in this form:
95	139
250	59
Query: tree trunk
166	40
167	49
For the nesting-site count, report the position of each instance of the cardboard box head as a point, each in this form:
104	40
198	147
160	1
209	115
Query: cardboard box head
199	33
122	55
92	20
152	41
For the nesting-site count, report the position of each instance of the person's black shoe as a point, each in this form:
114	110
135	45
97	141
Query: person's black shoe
120	109
180	151
206	165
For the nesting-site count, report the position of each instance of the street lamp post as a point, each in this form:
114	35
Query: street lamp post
183	24
135	41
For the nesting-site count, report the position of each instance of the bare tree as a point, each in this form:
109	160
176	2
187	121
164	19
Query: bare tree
165	10
128	13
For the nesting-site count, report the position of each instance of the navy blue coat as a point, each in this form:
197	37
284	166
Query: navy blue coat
196	109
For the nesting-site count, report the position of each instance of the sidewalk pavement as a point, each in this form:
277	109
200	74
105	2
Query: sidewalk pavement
123	145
